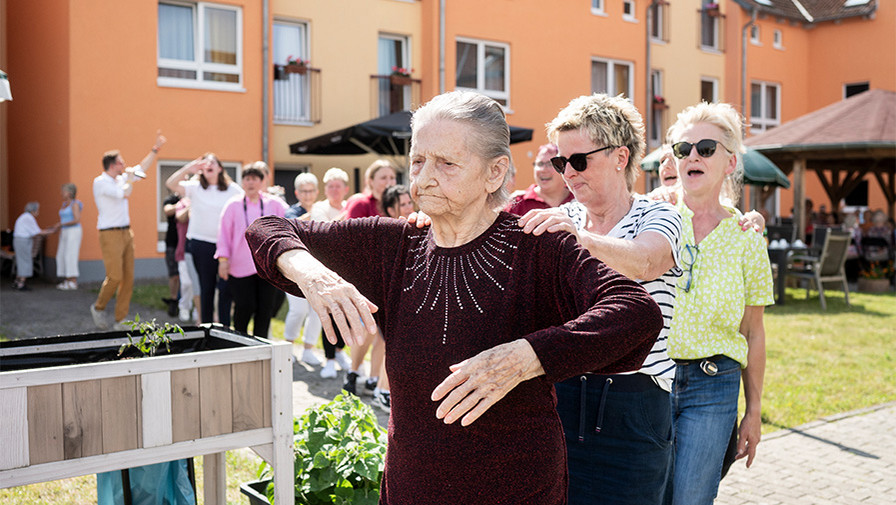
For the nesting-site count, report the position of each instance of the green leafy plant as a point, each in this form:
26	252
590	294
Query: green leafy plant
878	270
340	451
152	336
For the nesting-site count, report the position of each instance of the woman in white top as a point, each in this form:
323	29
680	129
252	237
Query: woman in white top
24	231
335	189
208	187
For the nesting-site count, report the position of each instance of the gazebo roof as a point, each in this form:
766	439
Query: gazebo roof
864	121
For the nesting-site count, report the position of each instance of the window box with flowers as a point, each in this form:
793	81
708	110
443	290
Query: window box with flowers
296	65
712	10
875	277
401	76
659	103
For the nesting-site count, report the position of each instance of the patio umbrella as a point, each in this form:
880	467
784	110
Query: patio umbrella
389	135
758	169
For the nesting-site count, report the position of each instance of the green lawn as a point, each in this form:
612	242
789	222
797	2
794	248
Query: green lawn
819	363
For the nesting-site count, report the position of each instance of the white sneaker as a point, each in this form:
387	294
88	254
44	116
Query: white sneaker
329	370
99	318
184	315
344	362
63	286
195	314
310	358
120	326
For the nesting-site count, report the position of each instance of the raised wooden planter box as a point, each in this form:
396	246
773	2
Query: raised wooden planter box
866	285
68	407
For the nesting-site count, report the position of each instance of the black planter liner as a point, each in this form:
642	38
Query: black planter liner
204	341
255	491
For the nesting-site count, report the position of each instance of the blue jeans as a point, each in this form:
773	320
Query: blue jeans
704	410
618	438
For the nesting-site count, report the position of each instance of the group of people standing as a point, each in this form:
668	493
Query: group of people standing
483	312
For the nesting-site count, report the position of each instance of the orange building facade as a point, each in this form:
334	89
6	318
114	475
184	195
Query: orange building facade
91	75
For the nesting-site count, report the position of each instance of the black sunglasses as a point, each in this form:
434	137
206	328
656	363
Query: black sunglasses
579	161
705	148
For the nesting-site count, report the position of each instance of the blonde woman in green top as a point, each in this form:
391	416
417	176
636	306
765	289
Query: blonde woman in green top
717	336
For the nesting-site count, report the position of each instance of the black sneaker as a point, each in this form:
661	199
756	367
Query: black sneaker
383	400
351	381
370	386
172	306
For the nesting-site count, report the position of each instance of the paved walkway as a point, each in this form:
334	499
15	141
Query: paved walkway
844	459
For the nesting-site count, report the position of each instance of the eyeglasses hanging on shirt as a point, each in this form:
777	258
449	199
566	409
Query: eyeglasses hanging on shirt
246	208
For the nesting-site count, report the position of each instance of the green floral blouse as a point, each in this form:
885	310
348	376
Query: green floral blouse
726	271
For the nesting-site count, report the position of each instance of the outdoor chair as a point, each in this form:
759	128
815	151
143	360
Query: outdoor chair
828	266
37	257
779	231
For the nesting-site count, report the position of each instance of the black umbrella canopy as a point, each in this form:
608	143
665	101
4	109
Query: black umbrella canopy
389	135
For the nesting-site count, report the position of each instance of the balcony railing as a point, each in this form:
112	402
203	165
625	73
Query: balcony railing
296	94
392	93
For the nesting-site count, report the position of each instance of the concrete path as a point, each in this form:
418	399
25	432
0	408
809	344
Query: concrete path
843	459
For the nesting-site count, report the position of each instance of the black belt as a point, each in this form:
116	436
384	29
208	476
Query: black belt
117	228
708	365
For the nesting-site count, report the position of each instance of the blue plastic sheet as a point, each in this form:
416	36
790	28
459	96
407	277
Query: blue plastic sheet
159	484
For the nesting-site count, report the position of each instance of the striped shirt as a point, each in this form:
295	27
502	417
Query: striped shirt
662	218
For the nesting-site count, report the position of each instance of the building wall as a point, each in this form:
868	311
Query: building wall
104	95
344	47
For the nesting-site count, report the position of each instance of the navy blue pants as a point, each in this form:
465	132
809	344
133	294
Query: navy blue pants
618	438
207	268
253	298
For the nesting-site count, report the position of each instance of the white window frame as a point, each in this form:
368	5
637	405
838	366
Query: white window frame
611	74
658	19
716	29
306	91
755	33
164	169
405	56
656	114
778	40
715	87
198	65
480	69
634	10
761	123
598	7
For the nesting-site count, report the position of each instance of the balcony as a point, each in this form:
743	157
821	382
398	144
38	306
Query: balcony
296	95
392	93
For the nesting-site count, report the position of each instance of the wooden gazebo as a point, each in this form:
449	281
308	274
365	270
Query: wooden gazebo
841	143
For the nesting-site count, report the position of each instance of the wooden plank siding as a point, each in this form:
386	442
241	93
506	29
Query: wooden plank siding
215	400
14	428
45	437
119	413
248	405
185	405
82	419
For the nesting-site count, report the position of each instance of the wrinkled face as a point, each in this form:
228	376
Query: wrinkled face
600	180
252	184
668	168
382	179
547	179
446	177
336	190
307	195
700	175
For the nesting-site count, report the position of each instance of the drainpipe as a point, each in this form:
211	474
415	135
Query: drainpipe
648	105
265	81
744	34
441	46
743	65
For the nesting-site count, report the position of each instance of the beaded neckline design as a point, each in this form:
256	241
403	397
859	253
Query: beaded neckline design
447	276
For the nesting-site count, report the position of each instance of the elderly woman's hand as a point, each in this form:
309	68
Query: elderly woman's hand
538	221
330	295
479	382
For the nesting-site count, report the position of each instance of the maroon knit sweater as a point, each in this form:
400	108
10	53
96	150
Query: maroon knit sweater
440	306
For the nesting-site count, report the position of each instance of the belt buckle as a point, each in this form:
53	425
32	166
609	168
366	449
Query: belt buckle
709	367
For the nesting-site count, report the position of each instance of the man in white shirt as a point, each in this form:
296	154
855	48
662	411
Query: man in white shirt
111	191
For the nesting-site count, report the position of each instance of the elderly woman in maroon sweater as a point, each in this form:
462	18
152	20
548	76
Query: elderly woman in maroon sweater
480	319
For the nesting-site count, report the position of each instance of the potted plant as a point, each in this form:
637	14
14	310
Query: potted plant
77	404
659	102
875	277
296	65
712	10
340	451
401	76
